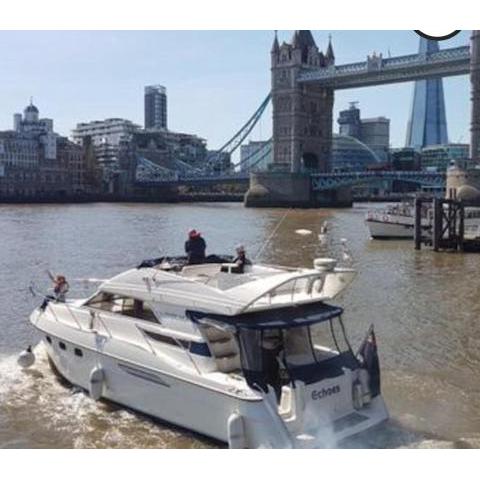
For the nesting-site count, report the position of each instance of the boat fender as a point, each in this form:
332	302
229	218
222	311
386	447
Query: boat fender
363	378
357	395
26	358
236	431
96	380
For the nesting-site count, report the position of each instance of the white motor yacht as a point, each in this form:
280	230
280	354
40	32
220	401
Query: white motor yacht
257	359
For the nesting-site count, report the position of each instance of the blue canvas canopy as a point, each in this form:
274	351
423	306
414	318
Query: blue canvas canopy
281	318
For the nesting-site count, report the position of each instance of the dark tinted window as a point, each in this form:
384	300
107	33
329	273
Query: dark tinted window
130	307
199	348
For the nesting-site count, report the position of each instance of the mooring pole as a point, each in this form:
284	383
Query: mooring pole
461	226
452	222
417	231
437	223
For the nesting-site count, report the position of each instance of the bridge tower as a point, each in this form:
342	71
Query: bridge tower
302	127
302	114
464	183
475	89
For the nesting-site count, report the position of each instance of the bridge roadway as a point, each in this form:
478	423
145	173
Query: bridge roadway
378	70
332	181
198	180
320	182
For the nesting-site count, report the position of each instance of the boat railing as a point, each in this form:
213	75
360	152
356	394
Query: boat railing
279	267
96	316
187	352
301	288
52	310
147	341
75	319
294	285
177	342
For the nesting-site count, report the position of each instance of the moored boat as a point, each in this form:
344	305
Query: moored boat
398	222
395	221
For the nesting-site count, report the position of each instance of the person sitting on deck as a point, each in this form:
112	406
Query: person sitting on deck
240	260
195	248
60	290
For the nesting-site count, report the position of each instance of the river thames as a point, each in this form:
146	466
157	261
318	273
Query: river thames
424	306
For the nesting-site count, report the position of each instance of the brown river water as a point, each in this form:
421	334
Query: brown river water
425	307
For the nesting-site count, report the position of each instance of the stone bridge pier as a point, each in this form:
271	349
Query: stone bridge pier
464	183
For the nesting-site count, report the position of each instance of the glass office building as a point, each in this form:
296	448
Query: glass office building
439	157
351	155
155	107
428	124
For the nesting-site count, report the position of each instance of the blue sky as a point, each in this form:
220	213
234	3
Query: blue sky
215	79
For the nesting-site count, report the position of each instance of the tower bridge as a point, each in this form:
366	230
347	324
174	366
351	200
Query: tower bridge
304	80
319	182
377	70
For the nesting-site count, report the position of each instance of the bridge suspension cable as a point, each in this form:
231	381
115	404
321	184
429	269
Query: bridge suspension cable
259	154
233	143
148	171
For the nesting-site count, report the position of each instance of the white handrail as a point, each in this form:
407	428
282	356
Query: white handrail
187	352
98	317
300	276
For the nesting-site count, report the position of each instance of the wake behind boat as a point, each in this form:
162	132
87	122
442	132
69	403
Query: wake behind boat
257	359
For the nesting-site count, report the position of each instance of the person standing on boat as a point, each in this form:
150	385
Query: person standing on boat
195	247
272	345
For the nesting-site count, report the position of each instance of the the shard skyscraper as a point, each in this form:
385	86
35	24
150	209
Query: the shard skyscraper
428	123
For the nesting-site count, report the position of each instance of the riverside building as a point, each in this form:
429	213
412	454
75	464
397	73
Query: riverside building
37	163
372	132
155	100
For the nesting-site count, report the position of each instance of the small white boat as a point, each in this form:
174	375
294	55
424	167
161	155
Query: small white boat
398	222
257	359
395	221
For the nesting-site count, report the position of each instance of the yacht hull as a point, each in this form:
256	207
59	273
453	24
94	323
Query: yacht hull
148	391
404	230
201	409
379	229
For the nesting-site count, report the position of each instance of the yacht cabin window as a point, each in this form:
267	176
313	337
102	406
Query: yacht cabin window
128	306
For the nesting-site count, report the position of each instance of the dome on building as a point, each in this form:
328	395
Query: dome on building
468	193
31	108
350	154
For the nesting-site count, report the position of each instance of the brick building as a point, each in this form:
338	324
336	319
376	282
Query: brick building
36	163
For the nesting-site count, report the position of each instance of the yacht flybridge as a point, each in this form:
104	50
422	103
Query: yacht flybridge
257	359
